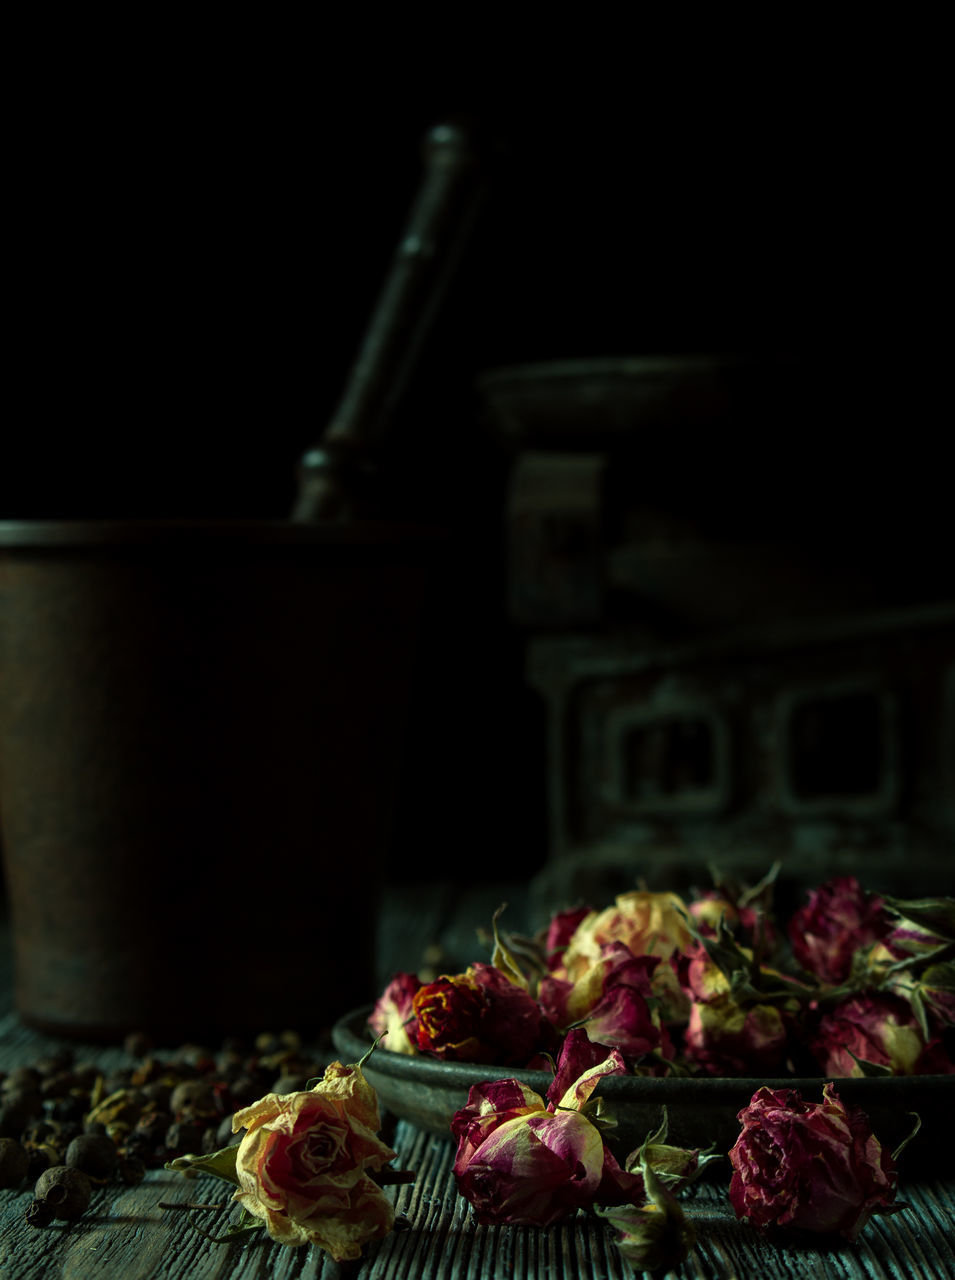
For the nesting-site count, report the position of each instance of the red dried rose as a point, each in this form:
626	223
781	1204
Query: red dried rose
876	1028
839	919
752	924
448	1016
811	1166
724	1038
481	1016
611	997
519	1161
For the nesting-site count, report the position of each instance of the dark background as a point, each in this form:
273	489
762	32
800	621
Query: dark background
198	250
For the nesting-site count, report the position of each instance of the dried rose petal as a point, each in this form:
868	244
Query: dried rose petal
582	1063
559	932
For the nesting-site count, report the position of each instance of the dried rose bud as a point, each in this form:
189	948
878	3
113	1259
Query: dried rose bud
614	997
393	1014
723	1038
481	1016
811	1166
876	1028
521	1162
653	1237
839	919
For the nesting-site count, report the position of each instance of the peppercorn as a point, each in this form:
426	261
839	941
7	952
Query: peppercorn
137	1044
196	1096
157	1093
14	1117
94	1154
192	1060
284	1042
70	1108
65	1191
210	1143
182	1136
58	1085
245	1091
229	1065
152	1126
13	1162
113	1081
21	1078
59	1060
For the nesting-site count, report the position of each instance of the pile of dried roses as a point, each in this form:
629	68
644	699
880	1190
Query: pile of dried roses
856	984
652	985
655	985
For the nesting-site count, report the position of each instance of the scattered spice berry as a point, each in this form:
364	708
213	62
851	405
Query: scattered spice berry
137	1044
13	1162
116	1124
65	1191
94	1154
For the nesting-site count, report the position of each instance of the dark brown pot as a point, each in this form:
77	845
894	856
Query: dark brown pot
200	730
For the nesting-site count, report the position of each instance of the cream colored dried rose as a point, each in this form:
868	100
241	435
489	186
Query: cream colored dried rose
302	1164
648	924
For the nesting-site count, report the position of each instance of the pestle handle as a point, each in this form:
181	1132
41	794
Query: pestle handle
420	269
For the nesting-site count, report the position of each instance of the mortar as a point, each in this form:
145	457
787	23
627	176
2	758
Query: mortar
200	729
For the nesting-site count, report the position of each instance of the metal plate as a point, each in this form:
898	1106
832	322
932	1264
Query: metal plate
702	1111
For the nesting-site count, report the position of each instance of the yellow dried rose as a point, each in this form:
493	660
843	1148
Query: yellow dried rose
648	924
302	1165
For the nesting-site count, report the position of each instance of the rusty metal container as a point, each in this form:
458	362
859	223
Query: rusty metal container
200	729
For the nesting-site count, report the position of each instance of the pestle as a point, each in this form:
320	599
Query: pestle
332	473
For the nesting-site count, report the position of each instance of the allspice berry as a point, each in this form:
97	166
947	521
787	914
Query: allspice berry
13	1163
94	1154
65	1191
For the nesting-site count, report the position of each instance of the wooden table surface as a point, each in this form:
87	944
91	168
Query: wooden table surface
126	1235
